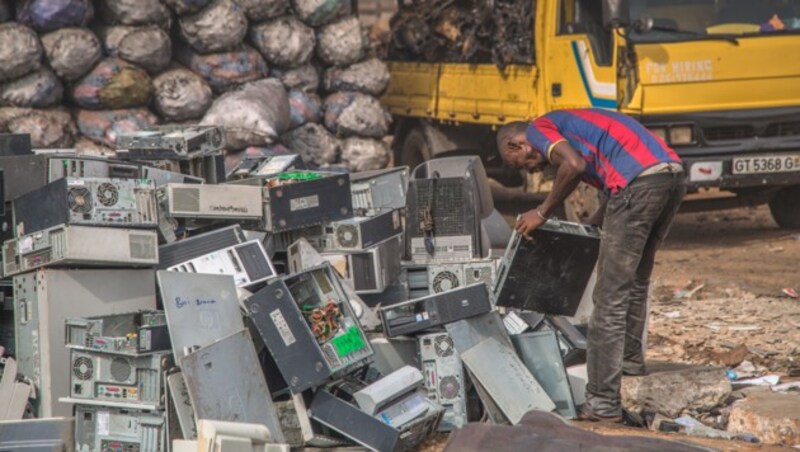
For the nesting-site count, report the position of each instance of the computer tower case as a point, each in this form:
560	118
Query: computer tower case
247	262
117	429
447	199
444	378
307	323
541	355
378	191
448	276
351	234
184	250
78	246
371	270
549	273
45	298
213	202
435	310
87	201
297	199
172	142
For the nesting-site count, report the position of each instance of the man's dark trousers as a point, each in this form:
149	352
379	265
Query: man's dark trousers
637	220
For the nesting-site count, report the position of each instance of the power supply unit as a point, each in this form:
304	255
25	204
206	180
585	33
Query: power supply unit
379	191
541	355
436	310
296	199
309	327
247	262
371	270
122	381
225	383
87	201
77	246
549	273
172	142
448	276
45	298
131	333
200	309
116	429
174	253
215	202
180	406
444	378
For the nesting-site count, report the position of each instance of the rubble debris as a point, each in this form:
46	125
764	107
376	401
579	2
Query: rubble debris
180	94
304	107
71	52
341	43
314	143
772	417
353	113
113	84
218	27
673	392
284	41
224	71
148	47
39	89
48	128
303	78
21	52
369	77
365	154
465	31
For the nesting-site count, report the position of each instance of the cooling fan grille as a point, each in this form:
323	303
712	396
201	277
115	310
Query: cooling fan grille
347	235
120	369
443	346
79	199
445	280
83	368
107	194
449	387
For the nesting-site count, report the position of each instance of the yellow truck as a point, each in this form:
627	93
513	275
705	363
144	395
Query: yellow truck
719	80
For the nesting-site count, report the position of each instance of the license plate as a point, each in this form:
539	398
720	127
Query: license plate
766	164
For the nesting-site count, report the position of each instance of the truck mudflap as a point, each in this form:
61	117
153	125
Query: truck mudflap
762	169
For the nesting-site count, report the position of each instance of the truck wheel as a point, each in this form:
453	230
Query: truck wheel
785	207
414	150
583	202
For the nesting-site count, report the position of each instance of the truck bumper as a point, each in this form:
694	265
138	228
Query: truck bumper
718	171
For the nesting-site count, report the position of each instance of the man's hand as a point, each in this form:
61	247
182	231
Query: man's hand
528	222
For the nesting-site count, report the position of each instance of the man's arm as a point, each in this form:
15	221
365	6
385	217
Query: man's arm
570	168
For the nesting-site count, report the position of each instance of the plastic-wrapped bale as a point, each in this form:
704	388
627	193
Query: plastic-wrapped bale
370	77
341	43
53	128
303	107
260	10
182	7
134	12
38	89
20	52
181	94
304	78
284	41
364	154
72	52
254	115
225	70
113	84
351	113
321	12
220	26
102	127
48	15
148	47
315	145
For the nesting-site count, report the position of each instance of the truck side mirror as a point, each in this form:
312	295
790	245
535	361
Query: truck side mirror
616	13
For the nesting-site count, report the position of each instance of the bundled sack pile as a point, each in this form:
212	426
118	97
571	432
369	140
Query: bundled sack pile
299	73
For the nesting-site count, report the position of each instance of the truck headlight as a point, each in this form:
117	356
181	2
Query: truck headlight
681	135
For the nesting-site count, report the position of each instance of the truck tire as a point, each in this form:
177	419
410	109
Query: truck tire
414	150
785	207
583	202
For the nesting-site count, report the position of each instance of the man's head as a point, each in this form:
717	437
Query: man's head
515	149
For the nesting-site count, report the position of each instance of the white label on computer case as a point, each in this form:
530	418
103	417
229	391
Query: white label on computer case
306	202
282	327
103	423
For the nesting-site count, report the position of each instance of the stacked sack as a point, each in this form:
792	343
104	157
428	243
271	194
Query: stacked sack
277	74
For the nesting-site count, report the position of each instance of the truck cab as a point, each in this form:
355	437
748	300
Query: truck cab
719	80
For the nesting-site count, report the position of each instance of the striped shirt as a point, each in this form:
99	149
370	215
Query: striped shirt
616	148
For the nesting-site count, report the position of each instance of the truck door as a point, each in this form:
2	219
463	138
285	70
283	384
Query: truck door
579	68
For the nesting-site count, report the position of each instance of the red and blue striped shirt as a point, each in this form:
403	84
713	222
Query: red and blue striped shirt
616	148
